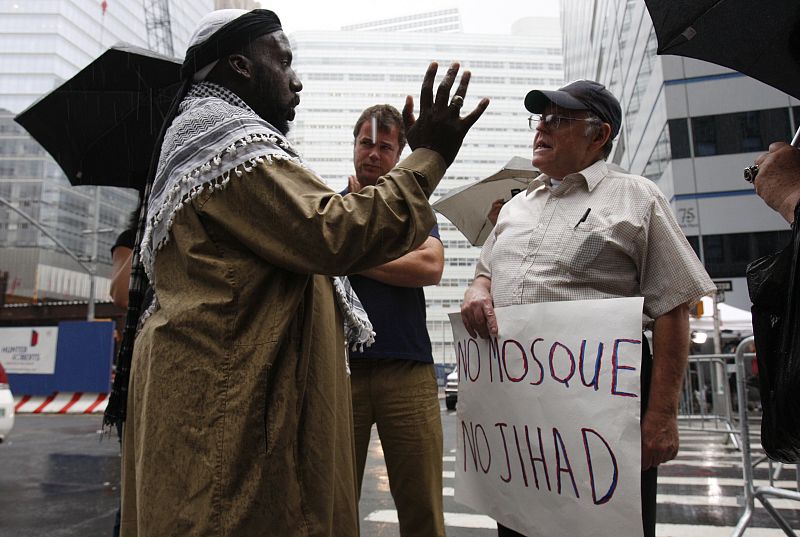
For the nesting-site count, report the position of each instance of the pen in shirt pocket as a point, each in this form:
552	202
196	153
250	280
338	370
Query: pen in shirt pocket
584	217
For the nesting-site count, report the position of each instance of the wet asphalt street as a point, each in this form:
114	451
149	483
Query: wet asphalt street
57	478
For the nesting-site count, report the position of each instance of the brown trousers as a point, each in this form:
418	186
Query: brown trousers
402	398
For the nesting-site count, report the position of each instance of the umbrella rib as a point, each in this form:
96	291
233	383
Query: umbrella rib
481	230
682	37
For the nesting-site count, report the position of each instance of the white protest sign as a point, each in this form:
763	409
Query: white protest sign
30	350
548	418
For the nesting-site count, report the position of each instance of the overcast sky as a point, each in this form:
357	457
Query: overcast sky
477	16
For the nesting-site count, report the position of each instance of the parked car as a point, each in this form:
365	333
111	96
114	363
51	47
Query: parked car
6	405
451	390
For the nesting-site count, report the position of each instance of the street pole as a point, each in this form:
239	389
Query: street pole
717	323
719	368
93	259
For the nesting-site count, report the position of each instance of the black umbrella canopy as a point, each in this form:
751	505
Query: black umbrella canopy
101	125
760	39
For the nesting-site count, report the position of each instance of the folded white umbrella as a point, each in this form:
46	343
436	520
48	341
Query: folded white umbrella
466	207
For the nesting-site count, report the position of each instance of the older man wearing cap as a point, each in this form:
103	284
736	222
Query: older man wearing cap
583	230
239	411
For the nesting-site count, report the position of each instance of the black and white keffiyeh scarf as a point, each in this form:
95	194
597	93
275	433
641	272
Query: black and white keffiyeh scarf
215	138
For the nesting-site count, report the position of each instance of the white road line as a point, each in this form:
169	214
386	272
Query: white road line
693	530
679	499
722	501
697	454
465	520
755	443
702	481
703	464
720	481
682	454
453	520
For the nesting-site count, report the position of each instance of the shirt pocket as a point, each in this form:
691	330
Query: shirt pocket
582	244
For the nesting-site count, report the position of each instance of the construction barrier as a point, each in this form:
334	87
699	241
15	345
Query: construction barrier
751	492
719	395
707	396
61	403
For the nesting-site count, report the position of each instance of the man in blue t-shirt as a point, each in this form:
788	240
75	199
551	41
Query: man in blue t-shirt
393	381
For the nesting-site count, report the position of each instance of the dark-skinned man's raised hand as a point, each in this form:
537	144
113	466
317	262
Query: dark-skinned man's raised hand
440	126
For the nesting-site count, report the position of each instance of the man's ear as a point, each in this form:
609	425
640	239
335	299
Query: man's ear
601	135
240	65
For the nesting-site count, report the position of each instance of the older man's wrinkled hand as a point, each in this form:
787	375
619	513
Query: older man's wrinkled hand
477	310
778	178
659	439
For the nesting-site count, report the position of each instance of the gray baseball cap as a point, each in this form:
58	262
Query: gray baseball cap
579	95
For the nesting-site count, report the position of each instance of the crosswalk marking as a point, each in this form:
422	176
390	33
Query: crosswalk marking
705	481
453	520
722	501
709	500
465	520
686	453
721	481
694	530
684	499
703	464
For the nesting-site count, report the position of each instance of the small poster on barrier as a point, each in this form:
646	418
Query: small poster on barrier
29	350
548	437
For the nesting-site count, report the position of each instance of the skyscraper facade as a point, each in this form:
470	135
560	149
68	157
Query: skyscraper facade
344	72
689	126
43	44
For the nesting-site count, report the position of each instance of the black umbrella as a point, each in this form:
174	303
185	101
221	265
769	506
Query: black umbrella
759	39
101	125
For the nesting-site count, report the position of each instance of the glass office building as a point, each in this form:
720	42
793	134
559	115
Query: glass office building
42	44
344	72
689	126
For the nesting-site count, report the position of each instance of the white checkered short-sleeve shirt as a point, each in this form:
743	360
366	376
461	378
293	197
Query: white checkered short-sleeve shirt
599	234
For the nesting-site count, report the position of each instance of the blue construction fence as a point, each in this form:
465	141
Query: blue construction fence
84	354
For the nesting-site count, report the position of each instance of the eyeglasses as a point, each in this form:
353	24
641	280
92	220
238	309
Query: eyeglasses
553	122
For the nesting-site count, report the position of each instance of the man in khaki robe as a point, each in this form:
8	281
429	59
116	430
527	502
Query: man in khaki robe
239	413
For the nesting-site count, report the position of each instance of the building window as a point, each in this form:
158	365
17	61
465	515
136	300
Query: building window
694	242
642	80
727	256
659	158
740	132
679	138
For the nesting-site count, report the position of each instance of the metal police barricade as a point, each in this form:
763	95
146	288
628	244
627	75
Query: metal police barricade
751	492
706	402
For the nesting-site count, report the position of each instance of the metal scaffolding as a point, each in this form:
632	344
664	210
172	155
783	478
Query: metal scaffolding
158	25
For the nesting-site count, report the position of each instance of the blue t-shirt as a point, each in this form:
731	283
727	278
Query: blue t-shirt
398	318
397	315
